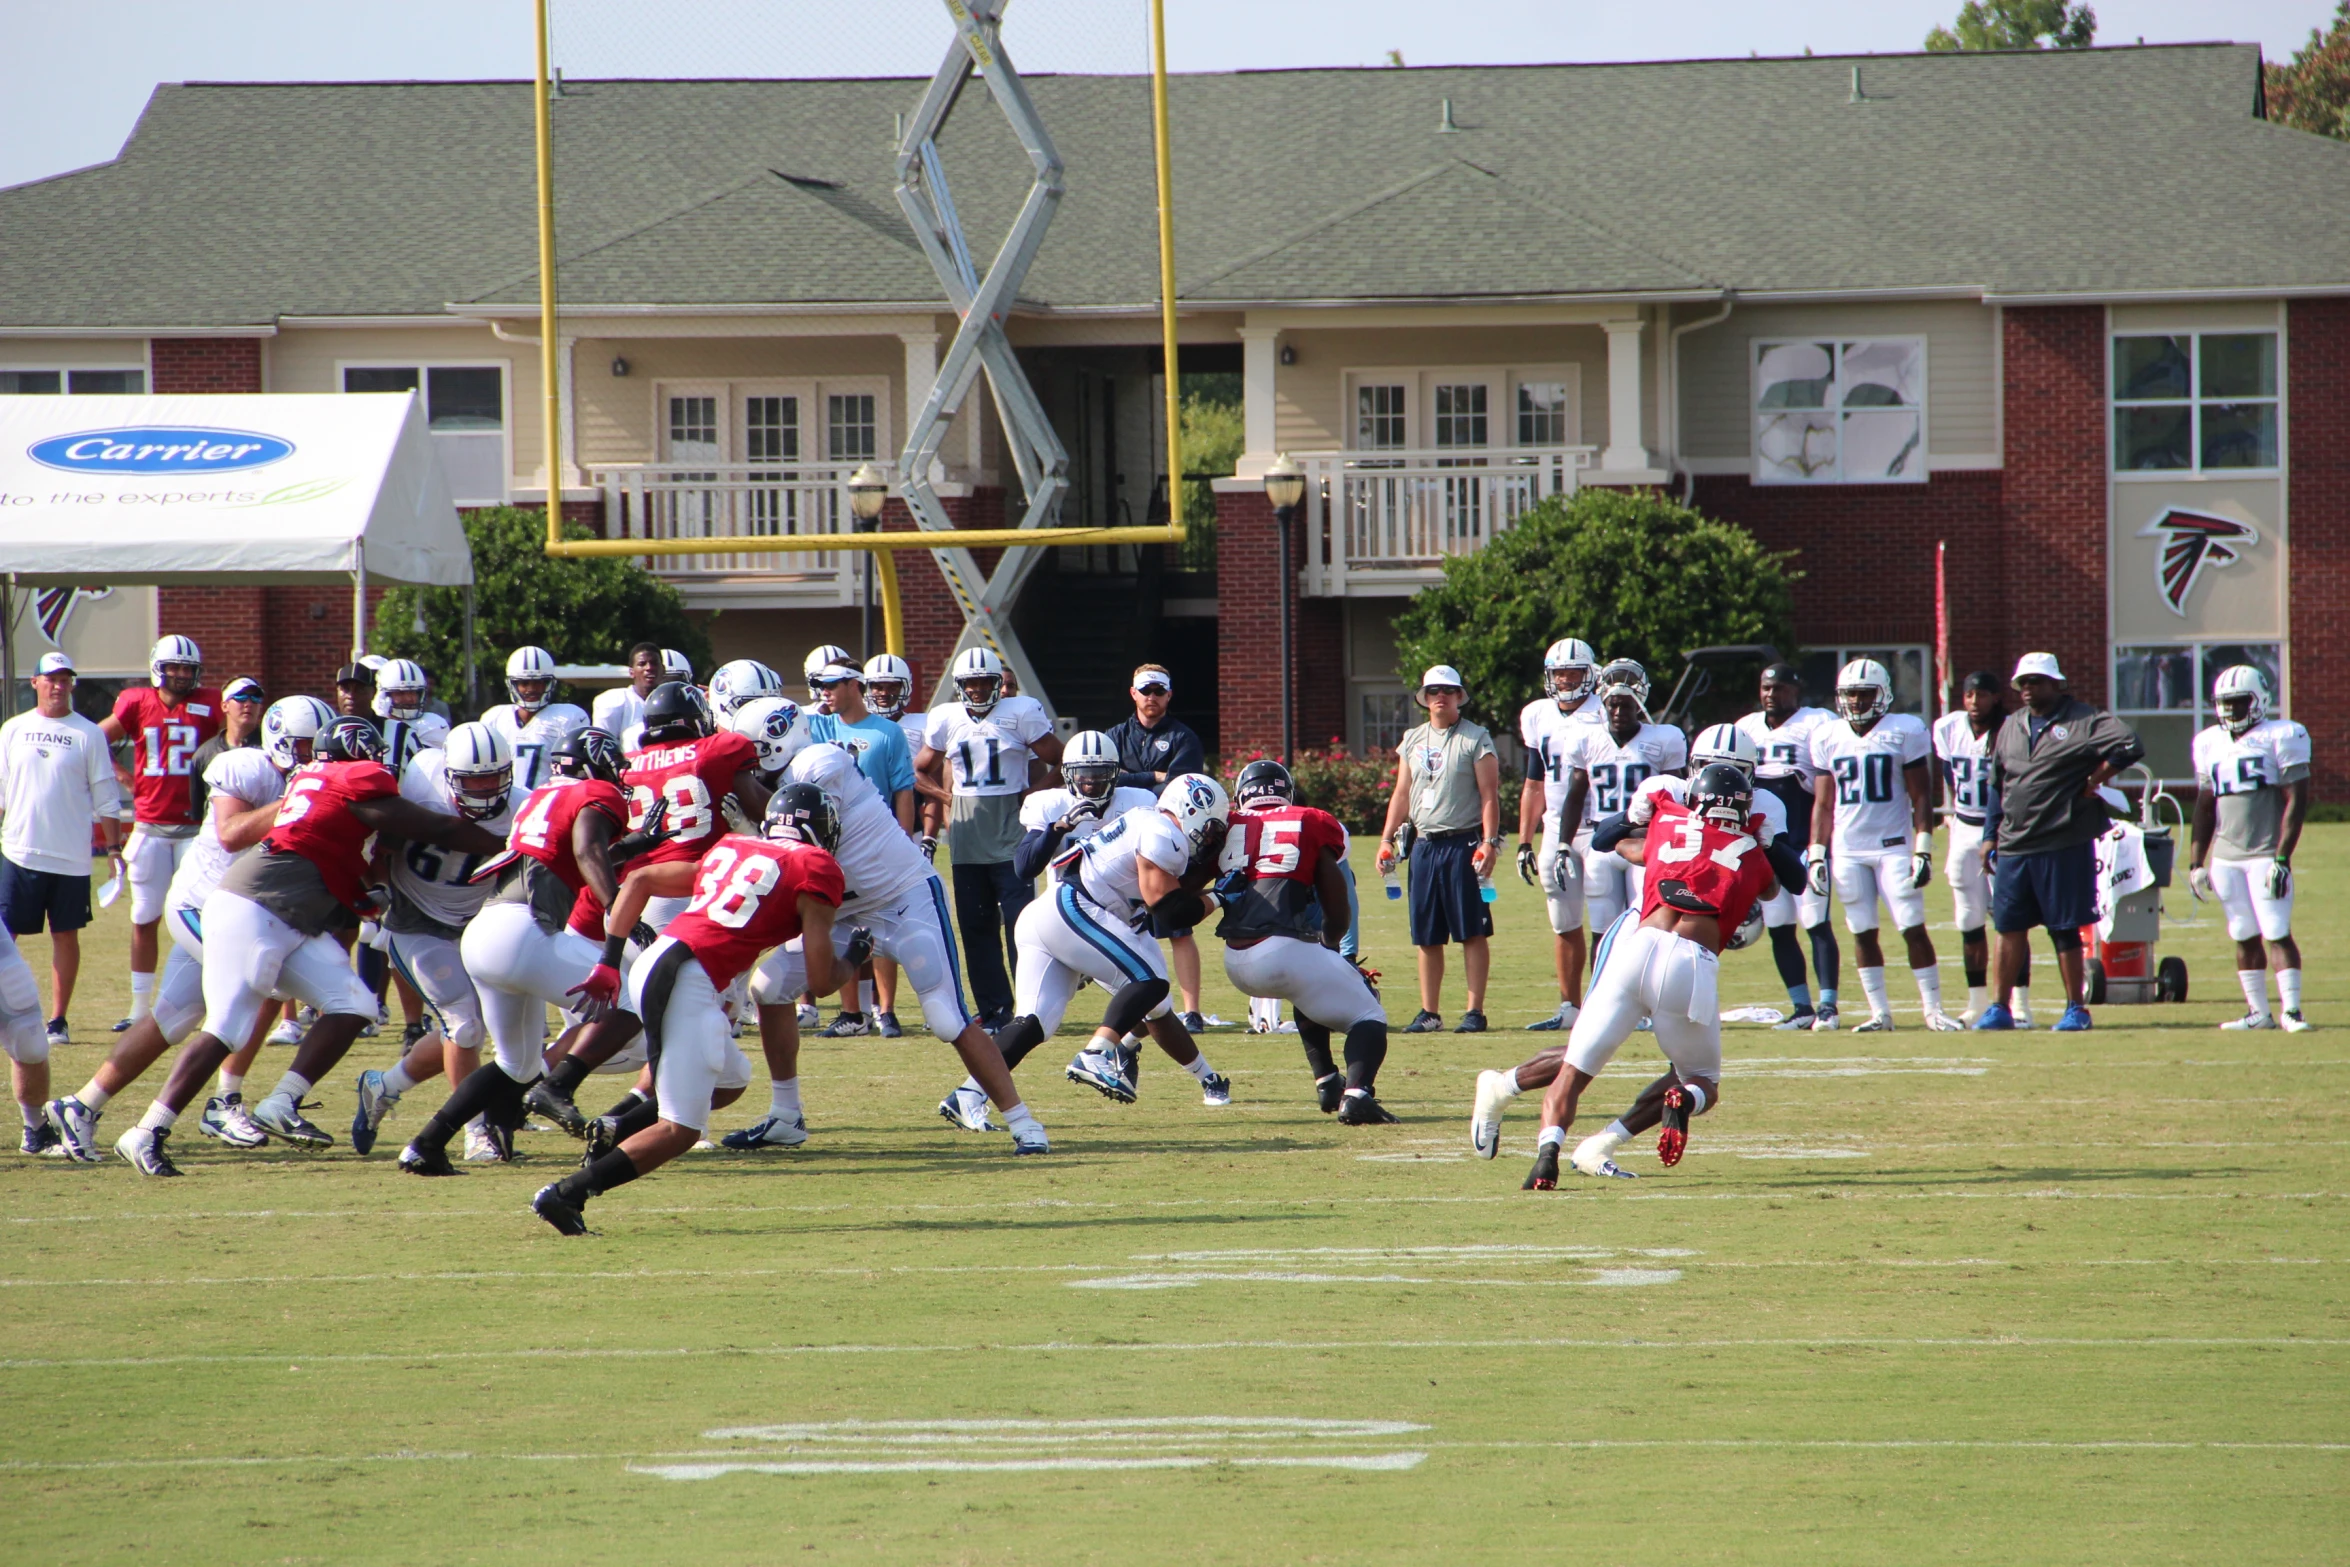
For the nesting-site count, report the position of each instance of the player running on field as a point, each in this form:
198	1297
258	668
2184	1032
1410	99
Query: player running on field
2251	795
1705	871
1285	911
1552	728
1962	743
164	723
746	894
533	724
1781	730
1871	767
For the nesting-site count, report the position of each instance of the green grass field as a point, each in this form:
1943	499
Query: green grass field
1913	1298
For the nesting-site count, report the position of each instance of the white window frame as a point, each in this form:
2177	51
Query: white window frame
731	396
2193	402
724	416
505	369
1419	382
1353	381
1756	347
2202	715
1569	376
65	374
1929	695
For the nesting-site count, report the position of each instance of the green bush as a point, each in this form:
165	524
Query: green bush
584	611
1635	574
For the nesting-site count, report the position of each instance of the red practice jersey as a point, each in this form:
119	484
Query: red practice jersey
314	820
1277	845
542	828
693	776
747	899
163	742
1727	869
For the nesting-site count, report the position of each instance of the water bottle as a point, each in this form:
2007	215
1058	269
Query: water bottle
1387	879
1485	883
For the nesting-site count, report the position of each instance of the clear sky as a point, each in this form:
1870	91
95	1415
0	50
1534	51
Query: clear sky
73	76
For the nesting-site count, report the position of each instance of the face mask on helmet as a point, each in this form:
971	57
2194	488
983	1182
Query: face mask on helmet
1265	780
589	753
2238	711
1859	704
981	693
800	813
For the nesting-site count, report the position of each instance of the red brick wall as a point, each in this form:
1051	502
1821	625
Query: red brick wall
228	623
1248	624
206	364
2052	575
2318	508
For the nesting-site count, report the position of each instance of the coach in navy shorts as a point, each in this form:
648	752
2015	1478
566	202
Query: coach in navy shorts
1448	785
2040	836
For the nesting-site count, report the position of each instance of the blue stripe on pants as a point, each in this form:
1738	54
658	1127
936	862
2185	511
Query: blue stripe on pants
1099	939
946	932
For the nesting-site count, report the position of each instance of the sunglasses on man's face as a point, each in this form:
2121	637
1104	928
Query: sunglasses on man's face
1437	691
1151	690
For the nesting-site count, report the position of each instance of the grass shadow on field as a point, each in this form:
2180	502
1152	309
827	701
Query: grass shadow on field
2033	1175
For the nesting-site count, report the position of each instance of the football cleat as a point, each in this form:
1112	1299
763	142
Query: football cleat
1424	1022
1328	1091
1103	1072
287	1032
1194	1023
373	1105
552	1206
59	1034
2295	1023
280	1116
226	1118
1559	1021
966	1107
888	1024
1544	1177
1029	1138
1878	1023
1801	1018
41	1138
483	1145
849	1025
1591	1158
543	1098
1215	1089
1494	1092
1943	1023
603	1135
1995	1018
808	1015
143	1147
1471	1023
2074	1021
1361	1107
124	1026
772	1132
1823	1018
2250	1020
77	1127
1672	1132
410	1034
416	1159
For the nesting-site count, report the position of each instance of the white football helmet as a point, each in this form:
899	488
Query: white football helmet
176	650
2241	696
1195	801
535	664
889	683
1090	763
431	731
1567	671
289	728
1864	692
1623	676
979	666
479	766
773	724
742	680
676	666
1725	743
818	660
399	689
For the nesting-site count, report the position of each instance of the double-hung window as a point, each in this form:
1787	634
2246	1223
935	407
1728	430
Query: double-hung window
465	408
1907	666
1840	410
79	383
2194	402
2163	691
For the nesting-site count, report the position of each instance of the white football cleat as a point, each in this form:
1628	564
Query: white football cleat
2295	1023
966	1108
1878	1023
1028	1137
2250	1020
1494	1092
1594	1155
481	1147
1943	1023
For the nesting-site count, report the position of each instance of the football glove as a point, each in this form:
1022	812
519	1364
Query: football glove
1526	858
928	844
1231	884
643	936
1566	870
1370	974
1082	809
2199	883
1921	868
374	904
2280	879
859	950
737	819
1815	861
599	993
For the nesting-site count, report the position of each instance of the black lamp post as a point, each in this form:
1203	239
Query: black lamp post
868	493
1285	487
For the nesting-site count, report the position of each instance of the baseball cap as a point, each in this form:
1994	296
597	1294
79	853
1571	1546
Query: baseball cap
244	689
2043	664
1981	680
1443	675
53	664
354	675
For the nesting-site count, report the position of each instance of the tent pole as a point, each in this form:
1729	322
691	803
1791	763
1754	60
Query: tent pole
8	644
472	681
358	604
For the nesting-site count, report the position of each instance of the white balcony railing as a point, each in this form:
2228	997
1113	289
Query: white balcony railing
1383	522
701	500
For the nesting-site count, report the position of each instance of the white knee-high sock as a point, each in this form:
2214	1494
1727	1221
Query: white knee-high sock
2289	989
2255	983
1872	985
783	1100
142	995
1929	988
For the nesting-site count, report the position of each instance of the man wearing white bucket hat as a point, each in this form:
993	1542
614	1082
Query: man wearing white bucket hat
1448	786
56	777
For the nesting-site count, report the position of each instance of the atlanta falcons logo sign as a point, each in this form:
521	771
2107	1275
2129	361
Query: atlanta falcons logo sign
2192	540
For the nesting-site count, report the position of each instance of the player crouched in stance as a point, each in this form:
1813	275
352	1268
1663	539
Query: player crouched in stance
2251	793
1705	871
1285	911
744	895
268	929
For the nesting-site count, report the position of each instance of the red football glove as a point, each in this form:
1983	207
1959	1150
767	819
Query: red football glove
599	993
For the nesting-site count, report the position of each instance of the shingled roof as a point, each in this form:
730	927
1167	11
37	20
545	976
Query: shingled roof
2098	173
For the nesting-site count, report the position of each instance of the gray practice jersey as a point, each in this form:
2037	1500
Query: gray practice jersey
2246	776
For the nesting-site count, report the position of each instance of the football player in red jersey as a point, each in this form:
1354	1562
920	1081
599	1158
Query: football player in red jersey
745	895
270	924
536	940
1705	869
1285	910
164	723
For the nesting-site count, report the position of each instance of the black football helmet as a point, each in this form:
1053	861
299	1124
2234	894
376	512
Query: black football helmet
349	739
1264	780
1721	793
675	711
800	812
588	753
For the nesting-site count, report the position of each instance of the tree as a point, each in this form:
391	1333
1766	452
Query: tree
584	611
1214	434
1635	574
2015	24
2313	92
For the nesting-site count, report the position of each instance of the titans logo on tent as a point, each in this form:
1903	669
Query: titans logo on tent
2192	540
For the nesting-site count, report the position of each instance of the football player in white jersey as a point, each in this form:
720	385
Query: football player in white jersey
1604	772
534	723
1872	801
402	692
434	897
896	896
1088	799
1095	923
1962	744
621	706
244	786
1552	727
1781	729
2251	795
737	683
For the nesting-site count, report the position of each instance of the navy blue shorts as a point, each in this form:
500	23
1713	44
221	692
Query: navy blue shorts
1444	902
27	898
2056	888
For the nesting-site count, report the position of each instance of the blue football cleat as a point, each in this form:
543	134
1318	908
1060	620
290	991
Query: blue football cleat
1995	1017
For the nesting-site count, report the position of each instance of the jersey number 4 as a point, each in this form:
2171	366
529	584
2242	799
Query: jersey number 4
731	900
